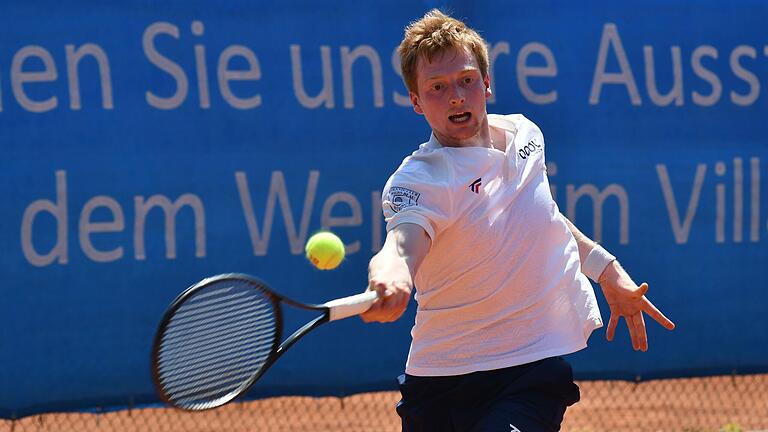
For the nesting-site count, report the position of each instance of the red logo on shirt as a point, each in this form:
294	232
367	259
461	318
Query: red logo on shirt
475	186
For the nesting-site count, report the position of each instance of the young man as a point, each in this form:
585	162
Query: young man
499	272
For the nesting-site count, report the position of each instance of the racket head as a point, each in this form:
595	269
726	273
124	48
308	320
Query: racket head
215	340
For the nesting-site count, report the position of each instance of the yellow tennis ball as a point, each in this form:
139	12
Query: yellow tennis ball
325	250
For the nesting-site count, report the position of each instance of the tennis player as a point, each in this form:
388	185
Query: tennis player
500	274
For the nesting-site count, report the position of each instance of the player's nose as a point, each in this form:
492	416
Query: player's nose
457	95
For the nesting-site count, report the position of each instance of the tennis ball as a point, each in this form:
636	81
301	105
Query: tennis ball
325	250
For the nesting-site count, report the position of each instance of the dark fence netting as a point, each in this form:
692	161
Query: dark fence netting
723	403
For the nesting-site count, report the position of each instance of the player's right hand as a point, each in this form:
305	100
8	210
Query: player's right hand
392	270
392	301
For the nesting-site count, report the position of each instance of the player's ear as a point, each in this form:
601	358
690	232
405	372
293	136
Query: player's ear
487	83
415	102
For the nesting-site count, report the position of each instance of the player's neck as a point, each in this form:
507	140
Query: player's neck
498	139
483	138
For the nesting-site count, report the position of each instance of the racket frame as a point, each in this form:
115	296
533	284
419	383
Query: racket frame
276	351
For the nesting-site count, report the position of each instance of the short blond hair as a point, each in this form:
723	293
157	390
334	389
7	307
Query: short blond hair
432	35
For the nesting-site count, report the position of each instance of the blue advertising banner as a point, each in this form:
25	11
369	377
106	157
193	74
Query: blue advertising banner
147	146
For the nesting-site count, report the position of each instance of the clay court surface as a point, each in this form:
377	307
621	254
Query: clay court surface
729	404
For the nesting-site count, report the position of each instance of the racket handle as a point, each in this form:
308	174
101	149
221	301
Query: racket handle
349	306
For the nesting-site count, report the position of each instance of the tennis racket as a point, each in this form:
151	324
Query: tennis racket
222	334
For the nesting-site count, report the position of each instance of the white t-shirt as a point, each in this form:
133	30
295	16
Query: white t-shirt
501	284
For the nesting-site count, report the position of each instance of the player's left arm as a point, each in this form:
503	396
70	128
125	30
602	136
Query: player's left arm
625	298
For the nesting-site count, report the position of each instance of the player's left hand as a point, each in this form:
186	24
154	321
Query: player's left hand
628	300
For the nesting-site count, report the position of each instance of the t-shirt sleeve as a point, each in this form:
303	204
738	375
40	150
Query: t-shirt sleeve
407	198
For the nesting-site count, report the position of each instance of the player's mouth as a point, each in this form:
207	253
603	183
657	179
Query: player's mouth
459	118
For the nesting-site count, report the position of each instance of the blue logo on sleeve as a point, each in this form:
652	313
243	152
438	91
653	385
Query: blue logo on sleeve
399	198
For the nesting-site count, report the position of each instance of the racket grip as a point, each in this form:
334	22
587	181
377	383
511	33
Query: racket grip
349	306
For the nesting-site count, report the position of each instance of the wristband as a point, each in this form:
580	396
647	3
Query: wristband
597	260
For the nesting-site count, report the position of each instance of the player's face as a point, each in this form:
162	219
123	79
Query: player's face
451	96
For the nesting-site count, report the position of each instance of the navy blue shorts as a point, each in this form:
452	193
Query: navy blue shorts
526	398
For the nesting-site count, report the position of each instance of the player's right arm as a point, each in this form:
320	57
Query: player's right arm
391	271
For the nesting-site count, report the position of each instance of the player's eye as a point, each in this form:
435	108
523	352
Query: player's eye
468	80
437	87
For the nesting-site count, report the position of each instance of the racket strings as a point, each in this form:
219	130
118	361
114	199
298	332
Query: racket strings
200	362
216	371
226	299
223	333
216	342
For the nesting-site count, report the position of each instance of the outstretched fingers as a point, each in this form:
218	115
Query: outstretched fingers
637	328
642	289
612	323
656	314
